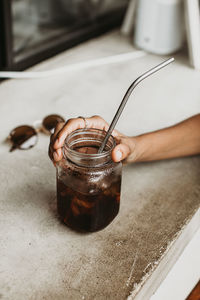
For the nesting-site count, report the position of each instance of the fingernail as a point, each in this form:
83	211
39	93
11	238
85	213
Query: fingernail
55	156
118	155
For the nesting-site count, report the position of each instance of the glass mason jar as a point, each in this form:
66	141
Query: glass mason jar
88	183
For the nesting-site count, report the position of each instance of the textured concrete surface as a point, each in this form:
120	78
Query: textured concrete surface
43	259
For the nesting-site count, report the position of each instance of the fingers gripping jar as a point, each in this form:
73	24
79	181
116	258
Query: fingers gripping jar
88	183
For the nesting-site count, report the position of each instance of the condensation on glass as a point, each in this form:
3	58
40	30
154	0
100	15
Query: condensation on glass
88	183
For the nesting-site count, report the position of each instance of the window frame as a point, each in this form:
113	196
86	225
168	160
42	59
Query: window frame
100	26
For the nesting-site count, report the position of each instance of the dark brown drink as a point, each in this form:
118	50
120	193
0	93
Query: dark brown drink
87	212
88	183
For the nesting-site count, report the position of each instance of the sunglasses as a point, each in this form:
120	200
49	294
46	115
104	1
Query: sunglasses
25	137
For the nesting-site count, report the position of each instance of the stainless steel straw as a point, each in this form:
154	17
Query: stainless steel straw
127	95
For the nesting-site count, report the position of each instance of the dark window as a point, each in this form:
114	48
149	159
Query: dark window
32	30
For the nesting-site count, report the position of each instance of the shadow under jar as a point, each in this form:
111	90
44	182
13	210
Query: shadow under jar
88	183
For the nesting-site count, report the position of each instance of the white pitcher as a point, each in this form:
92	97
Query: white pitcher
159	26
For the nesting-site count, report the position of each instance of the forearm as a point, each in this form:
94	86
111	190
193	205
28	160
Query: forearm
179	140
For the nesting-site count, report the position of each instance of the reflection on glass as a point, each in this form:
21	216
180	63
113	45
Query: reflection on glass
39	21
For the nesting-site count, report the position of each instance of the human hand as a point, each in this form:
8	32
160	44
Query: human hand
123	151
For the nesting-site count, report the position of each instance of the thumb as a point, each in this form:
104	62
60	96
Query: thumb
120	152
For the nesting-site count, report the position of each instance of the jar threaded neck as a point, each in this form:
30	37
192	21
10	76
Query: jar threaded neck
84	139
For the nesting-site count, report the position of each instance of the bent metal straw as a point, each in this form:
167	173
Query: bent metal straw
126	97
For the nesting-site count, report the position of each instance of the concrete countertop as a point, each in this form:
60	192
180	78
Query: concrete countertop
43	259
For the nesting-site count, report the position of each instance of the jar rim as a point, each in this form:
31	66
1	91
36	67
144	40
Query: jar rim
105	153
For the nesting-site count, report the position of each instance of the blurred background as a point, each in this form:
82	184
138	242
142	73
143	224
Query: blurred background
33	30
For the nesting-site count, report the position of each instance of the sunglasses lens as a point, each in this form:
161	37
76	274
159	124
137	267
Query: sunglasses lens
23	137
49	123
